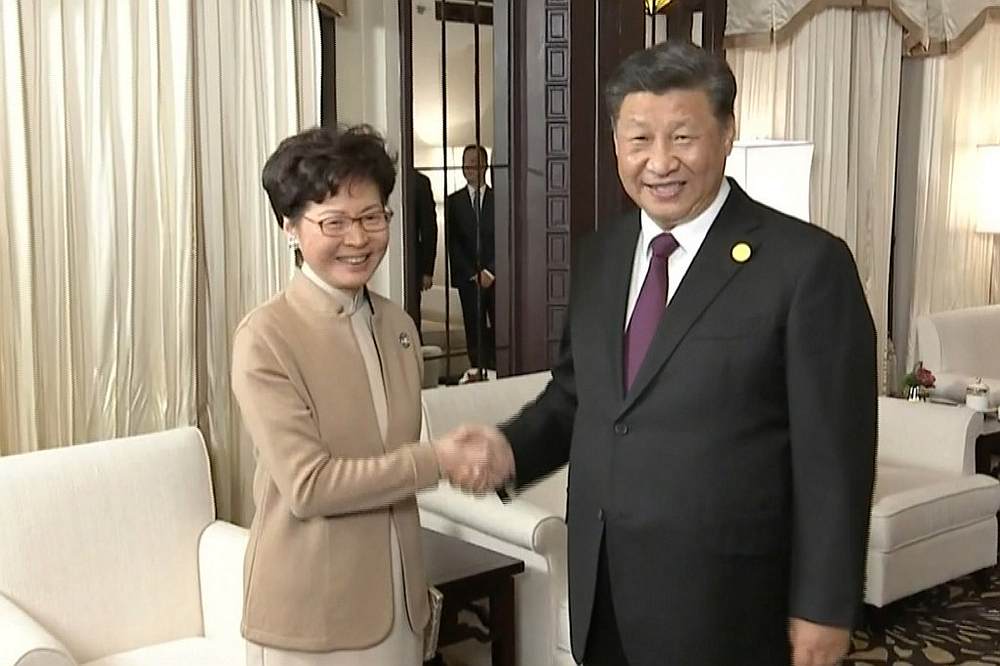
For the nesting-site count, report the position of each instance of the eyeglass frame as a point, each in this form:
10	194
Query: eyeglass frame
359	220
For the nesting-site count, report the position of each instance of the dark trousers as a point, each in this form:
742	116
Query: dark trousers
604	644
482	350
420	317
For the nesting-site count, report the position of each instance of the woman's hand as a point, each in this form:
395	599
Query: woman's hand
476	458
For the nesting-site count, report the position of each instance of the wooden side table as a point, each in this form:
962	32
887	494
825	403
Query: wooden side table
988	444
466	574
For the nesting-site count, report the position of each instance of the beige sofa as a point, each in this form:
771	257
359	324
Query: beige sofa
111	555
933	519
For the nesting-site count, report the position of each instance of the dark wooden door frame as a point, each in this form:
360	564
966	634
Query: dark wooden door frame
565	180
501	173
406	177
328	67
562	175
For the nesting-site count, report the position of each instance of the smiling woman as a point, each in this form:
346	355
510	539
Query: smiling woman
327	377
333	179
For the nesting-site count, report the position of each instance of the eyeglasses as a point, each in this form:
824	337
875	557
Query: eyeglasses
336	226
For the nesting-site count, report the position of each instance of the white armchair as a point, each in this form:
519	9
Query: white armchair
530	527
957	346
111	556
933	519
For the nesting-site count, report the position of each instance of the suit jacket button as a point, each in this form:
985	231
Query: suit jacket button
621	429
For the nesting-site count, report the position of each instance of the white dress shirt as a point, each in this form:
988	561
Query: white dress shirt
689	236
473	197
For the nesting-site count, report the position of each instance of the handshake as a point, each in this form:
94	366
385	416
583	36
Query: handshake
475	458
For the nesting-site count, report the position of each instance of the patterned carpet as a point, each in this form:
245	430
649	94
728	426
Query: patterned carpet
954	623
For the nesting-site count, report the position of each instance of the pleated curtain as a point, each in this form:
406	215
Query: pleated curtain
134	233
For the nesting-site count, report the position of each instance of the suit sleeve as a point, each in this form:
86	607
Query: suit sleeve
832	396
312	480
427	226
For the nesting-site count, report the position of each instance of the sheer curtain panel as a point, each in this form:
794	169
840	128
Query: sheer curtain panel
134	231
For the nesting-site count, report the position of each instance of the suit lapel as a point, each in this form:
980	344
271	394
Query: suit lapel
470	210
614	301
711	270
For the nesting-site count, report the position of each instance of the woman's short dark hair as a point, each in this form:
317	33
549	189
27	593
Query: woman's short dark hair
313	164
673	65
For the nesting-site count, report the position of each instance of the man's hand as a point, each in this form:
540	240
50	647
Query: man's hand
426	282
486	279
817	644
475	458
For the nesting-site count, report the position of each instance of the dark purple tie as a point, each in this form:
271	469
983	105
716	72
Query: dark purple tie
649	308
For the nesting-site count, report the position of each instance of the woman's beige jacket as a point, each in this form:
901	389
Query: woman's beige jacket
317	574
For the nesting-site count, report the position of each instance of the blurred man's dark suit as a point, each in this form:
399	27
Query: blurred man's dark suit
470	250
426	234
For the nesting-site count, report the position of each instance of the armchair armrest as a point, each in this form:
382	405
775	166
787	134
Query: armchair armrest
523	529
220	568
520	523
24	642
938	437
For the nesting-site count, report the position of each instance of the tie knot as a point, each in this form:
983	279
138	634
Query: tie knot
664	245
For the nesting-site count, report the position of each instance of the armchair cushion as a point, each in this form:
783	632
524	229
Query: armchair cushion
24	642
183	652
912	504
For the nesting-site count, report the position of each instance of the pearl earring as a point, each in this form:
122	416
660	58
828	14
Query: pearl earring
293	243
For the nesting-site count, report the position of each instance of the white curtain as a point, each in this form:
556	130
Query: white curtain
98	219
835	82
952	107
134	231
934	26
257	69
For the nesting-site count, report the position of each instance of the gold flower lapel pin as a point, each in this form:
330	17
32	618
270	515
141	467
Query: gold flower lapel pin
741	253
404	340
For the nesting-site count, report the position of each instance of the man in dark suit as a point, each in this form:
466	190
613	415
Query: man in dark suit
426	236
471	252
715	398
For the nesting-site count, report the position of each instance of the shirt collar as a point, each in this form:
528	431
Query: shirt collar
691	234
350	301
